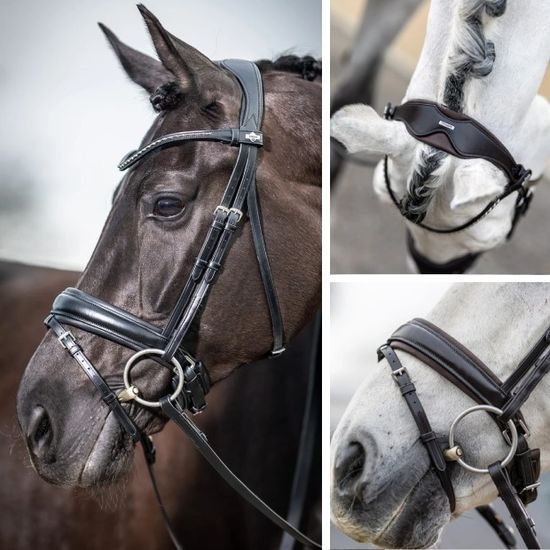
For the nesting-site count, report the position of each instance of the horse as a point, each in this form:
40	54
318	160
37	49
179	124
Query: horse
145	253
471	49
383	489
39	514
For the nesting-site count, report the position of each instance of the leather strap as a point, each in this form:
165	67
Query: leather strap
199	440
265	272
523	201
427	435
229	136
504	533
109	397
524	523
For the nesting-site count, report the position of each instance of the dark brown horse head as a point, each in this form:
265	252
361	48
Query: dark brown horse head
160	215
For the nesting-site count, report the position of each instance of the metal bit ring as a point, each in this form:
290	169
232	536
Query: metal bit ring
493	410
152	351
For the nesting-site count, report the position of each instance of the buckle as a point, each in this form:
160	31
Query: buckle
531	487
524	429
389	111
399	372
66	334
221	208
277	352
236	211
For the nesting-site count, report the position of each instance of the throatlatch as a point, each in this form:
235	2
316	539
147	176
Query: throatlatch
166	346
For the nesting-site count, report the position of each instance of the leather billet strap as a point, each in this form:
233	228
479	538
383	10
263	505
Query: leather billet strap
201	443
427	435
76	308
463	137
108	396
504	533
508	494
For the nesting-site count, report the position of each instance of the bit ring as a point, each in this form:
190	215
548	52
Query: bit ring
152	351
493	410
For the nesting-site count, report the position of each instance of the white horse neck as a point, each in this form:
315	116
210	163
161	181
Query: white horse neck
499	101
500	323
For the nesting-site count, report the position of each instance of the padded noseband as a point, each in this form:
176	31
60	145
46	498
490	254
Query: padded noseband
515	477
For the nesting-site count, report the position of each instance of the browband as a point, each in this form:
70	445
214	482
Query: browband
229	136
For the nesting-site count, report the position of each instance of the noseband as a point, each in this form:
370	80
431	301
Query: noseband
516	475
190	379
463	137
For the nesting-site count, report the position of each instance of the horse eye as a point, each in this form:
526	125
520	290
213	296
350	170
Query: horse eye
167	207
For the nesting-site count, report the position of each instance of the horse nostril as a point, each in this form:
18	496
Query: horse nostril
349	463
39	432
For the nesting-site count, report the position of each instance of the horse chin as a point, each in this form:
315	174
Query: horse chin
407	526
111	457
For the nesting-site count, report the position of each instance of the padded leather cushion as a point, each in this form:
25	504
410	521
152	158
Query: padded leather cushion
451	359
78	309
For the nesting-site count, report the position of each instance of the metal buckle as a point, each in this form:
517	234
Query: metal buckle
522	425
531	487
277	352
399	372
221	208
238	212
66	334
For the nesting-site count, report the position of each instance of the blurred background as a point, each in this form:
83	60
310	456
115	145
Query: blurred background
367	236
69	113
363	315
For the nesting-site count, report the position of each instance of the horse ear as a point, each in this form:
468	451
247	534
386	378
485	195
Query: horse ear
189	65
474	180
360	128
142	69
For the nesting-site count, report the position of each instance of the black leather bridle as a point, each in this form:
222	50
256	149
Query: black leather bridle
516	476
461	136
190	379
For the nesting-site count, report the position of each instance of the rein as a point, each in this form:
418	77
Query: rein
190	379
463	137
516	475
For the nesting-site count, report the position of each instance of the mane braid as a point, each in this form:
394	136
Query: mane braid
471	56
308	67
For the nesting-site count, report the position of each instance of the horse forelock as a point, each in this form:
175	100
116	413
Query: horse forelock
470	55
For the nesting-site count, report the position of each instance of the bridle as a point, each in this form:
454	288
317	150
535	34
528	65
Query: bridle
190	379
464	137
515	476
